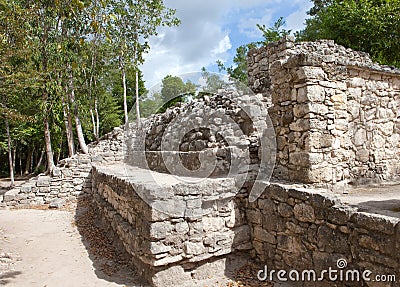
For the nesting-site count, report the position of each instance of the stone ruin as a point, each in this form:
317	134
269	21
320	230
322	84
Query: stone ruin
336	118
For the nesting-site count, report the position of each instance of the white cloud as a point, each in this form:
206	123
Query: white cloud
248	25
223	46
199	41
208	30
296	20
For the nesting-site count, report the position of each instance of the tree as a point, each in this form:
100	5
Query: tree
318	6
238	70
14	70
372	26
132	22
174	90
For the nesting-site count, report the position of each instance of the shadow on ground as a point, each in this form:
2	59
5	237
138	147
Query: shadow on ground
5	277
109	263
385	207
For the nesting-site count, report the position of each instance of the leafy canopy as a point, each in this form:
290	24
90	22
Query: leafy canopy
372	26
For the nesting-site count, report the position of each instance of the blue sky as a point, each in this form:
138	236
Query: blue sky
211	30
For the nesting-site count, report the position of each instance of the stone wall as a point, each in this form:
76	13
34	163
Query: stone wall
303	229
70	178
336	113
205	222
222	129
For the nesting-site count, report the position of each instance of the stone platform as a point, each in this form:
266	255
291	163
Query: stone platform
175	232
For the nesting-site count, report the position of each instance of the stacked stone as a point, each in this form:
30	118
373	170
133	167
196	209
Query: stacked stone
70	178
204	221
234	117
298	229
335	112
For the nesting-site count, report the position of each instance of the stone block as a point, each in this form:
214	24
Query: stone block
304	212
263	235
171	277
159	247
57	203
211	224
285	210
275	192
375	222
11	195
43	181
194	248
160	230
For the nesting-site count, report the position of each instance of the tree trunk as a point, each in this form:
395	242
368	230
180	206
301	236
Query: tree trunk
40	160
97	119
137	97
20	163
93	122
10	159
59	153
68	126
28	162
124	86
49	150
45	98
78	125
14	156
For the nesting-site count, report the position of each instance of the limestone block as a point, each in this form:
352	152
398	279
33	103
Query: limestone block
160	230
375	222
182	227
362	155
304	212
285	209
263	235
159	247
213	224
309	72
194	248
171	277
43	181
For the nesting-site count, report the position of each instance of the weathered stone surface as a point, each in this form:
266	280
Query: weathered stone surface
304	212
375	222
171	277
57	203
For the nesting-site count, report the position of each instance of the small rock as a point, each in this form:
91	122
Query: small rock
57	203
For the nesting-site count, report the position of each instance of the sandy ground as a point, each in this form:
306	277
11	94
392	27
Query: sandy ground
49	251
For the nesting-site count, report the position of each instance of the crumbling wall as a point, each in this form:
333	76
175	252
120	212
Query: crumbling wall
301	229
70	178
335	112
224	127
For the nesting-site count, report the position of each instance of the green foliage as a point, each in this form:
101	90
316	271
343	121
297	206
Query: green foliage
174	90
274	33
238	70
213	82
49	49
150	104
117	89
110	113
371	26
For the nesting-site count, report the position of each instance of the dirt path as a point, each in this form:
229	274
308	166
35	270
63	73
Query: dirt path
47	250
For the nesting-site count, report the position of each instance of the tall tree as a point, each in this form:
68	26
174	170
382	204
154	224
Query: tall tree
132	23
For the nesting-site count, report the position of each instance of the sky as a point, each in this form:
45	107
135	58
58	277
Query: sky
211	30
